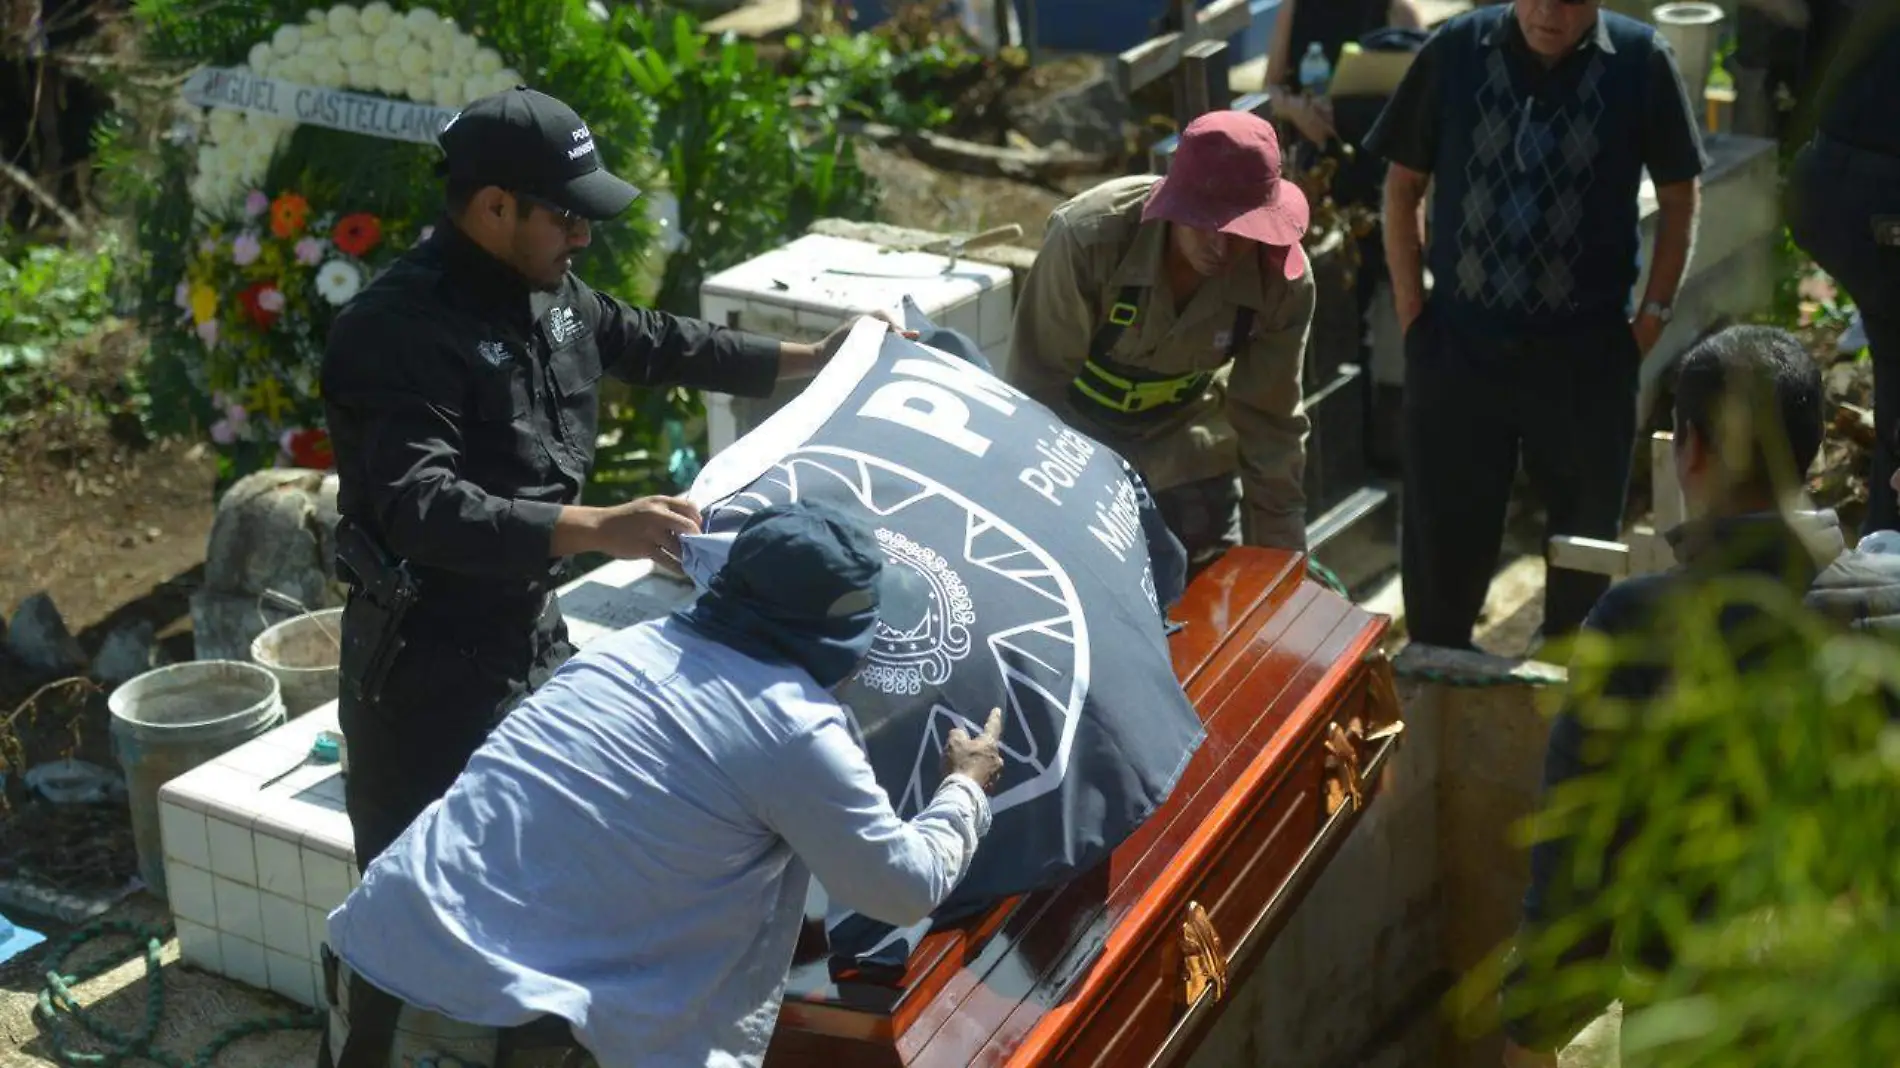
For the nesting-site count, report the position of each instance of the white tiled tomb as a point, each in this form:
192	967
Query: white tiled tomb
253	871
798	293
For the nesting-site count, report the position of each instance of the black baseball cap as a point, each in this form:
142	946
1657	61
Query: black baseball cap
528	142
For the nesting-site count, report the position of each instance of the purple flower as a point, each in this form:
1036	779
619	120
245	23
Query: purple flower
223	433
236	414
182	295
309	251
256	203
271	300
208	333
245	249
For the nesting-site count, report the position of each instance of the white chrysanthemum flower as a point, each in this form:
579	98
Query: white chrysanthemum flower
465	47
260	55
390	80
487	61
414	60
330	74
287	40
374	18
504	80
338	281
361	75
316	16
474	88
386	50
421	89
446	92
224	122
291	69
321	48
342	21
422	21
353	49
441	43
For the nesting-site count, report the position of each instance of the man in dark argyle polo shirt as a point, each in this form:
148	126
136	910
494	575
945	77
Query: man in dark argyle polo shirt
1533	122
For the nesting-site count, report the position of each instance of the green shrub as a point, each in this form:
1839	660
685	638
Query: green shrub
1765	854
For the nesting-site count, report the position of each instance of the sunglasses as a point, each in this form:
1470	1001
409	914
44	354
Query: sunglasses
568	219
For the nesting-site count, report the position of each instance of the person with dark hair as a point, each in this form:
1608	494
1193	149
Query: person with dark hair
1533	124
628	855
462	395
1844	209
1748	425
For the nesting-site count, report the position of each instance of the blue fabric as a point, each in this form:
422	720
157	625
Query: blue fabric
799	587
15	940
632	850
1536	176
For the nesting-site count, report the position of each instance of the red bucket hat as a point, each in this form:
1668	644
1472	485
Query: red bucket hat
1226	178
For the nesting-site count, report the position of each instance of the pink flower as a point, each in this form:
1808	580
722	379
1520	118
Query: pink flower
256	203
271	300
223	433
245	249
208	333
236	414
309	251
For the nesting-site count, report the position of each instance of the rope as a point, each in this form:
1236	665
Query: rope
65	1018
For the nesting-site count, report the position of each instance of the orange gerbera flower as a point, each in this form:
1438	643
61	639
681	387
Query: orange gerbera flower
357	233
288	215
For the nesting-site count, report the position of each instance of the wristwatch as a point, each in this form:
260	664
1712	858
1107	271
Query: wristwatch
1661	311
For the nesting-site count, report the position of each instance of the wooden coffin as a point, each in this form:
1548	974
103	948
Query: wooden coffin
1127	965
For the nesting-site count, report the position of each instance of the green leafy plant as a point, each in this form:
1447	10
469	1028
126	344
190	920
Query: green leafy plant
257	287
1759	810
54	300
51	295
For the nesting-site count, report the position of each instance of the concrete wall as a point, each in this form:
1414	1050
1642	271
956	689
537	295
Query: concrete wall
1426	886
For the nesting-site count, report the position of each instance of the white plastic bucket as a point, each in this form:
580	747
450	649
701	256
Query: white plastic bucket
1690	28
169	721
304	653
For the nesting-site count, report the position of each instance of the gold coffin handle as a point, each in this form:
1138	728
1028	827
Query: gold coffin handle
1203	961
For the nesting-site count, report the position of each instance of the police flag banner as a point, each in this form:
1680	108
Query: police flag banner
336	109
1021	564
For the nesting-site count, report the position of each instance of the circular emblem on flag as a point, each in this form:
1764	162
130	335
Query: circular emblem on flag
925	630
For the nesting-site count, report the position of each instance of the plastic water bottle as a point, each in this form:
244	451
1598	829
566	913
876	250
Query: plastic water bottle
1315	71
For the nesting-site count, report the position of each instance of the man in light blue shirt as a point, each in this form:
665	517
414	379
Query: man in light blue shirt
631	849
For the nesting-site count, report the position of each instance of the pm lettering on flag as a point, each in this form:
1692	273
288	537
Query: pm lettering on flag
1026	568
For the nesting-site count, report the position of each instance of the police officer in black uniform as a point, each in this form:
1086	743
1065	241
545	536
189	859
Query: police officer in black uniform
461	389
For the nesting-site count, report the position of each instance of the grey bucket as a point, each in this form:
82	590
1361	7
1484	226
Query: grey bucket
169	721
303	652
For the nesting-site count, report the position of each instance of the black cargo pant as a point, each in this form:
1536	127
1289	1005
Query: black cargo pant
1473	405
1844	209
458	675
